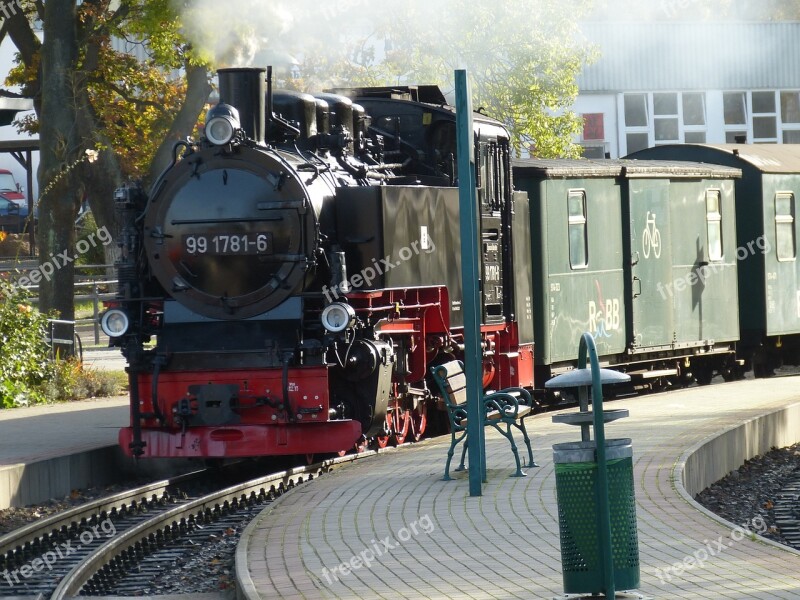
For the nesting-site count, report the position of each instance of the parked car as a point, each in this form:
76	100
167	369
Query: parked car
13	219
10	220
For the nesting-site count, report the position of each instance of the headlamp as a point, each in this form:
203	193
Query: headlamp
222	122
114	323
338	316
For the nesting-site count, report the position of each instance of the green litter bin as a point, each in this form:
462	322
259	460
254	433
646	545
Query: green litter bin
576	490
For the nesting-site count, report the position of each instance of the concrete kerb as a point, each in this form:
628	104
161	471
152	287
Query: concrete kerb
732	444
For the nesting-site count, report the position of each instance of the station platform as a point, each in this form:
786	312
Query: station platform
48	450
427	538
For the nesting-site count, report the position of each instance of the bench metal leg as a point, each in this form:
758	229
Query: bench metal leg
531	462
509	436
454	442
461	467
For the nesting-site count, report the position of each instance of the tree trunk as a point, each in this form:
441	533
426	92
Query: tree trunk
59	155
197	90
104	176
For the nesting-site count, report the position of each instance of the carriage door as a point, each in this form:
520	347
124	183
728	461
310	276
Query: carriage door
652	289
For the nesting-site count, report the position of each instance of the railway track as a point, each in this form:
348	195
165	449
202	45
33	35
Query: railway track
118	544
32	558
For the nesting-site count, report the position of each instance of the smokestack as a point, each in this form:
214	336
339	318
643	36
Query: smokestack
245	89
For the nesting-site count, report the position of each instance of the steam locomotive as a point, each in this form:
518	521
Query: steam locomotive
288	280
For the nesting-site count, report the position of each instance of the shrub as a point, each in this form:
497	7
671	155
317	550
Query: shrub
24	355
28	373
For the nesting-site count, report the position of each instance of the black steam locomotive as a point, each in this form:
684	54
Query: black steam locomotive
289	280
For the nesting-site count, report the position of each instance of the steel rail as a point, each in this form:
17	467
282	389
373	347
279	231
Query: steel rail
41	529
275	484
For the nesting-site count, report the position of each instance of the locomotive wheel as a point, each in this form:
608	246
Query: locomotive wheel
383	440
419	421
402	425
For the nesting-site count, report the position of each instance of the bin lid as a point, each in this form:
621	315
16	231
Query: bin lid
584	452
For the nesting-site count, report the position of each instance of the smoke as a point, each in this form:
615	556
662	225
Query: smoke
231	34
240	33
348	41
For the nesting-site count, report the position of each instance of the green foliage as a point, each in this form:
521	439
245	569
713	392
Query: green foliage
28	374
134	101
522	58
24	355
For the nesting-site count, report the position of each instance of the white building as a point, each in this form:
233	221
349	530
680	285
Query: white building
665	83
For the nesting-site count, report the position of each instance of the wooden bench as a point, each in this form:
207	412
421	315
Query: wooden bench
507	407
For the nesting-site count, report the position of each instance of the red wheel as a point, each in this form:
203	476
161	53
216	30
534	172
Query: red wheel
383	440
310	459
402	425
419	421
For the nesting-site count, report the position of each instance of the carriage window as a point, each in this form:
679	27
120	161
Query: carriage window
714	224
784	226
578	246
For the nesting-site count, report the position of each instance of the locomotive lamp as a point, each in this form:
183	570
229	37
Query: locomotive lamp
114	323
222	122
338	316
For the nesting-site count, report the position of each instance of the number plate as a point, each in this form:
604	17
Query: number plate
200	244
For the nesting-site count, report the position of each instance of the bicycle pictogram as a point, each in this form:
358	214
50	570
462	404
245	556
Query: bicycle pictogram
651	237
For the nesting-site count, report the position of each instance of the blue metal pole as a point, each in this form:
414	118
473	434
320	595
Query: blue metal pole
603	509
470	283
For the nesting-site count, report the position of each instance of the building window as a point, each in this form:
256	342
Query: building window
593	129
784	226
694	117
790	117
637	135
664	118
594	135
636	110
735	115
714	224
765	118
578	246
